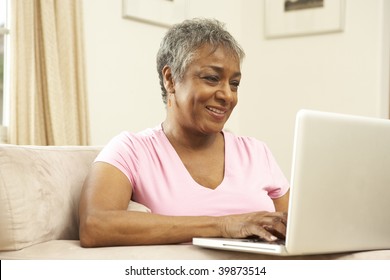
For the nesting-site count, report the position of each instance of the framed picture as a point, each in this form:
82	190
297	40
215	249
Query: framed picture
285	18
158	12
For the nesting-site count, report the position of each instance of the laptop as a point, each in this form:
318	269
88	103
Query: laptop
340	188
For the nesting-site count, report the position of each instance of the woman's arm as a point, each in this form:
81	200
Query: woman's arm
105	221
281	203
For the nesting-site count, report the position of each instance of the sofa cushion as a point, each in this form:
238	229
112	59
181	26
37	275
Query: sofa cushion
39	192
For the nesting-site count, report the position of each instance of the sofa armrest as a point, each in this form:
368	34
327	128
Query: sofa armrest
40	188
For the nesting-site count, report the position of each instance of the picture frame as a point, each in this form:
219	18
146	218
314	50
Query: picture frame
287	18
157	12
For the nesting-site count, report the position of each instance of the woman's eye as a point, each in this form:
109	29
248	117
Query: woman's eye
234	84
211	78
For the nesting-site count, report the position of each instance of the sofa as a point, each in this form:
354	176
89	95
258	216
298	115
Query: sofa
39	195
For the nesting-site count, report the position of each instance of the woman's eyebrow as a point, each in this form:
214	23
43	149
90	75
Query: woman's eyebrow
220	69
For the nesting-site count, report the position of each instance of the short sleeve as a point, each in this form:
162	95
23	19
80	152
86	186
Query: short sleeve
121	153
280	184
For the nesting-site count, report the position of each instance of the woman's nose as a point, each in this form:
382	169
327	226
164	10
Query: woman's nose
226	93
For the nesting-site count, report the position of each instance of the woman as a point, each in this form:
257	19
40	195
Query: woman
197	179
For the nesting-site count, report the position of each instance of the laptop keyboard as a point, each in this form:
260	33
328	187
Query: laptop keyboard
259	240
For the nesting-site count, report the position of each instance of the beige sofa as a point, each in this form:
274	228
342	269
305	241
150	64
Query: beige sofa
39	195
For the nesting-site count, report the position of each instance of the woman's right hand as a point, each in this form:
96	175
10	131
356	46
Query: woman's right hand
269	226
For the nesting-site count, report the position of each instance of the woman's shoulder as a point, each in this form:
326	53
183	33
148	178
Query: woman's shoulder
133	142
242	140
140	136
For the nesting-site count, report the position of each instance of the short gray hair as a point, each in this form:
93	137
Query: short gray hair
184	39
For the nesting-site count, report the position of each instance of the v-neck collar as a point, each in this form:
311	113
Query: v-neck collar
184	168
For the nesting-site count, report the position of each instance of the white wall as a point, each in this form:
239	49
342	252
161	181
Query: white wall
339	72
123	87
344	72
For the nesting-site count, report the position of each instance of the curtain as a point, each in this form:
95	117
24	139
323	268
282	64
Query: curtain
48	88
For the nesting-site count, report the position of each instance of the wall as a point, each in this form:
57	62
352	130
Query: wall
344	72
122	81
340	72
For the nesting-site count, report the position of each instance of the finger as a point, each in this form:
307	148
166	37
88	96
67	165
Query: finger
278	230
272	219
262	233
282	216
277	225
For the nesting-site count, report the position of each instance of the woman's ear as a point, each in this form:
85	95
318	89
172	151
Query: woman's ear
169	83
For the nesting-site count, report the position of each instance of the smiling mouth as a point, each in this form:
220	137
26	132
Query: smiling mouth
216	111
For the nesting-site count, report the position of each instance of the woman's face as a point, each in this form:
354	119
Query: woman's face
207	94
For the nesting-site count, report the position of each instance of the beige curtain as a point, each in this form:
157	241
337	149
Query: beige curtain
48	92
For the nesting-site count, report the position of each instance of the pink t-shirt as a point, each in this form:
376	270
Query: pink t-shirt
162	183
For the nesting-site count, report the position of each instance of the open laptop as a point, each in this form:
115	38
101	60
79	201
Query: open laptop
340	188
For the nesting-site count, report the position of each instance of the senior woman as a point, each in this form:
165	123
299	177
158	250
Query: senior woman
197	179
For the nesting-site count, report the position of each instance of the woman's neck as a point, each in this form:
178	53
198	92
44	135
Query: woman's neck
181	137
